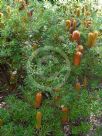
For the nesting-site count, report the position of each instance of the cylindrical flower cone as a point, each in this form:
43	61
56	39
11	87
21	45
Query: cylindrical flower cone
95	35
76	35
38	100
64	117
68	24
80	48
78	12
77	58
74	24
90	39
38	120
78	86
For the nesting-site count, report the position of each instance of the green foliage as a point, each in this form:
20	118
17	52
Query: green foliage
33	50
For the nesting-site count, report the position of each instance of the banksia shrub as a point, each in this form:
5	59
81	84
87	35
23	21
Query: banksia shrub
50	66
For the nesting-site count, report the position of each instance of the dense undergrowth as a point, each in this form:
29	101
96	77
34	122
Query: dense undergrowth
37	55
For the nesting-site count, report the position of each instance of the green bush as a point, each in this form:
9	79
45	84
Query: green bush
36	54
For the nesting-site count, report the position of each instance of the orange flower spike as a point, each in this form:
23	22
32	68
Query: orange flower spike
38	100
95	35
78	86
78	12
74	24
68	24
38	120
80	48
77	58
64	114
90	39
76	35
